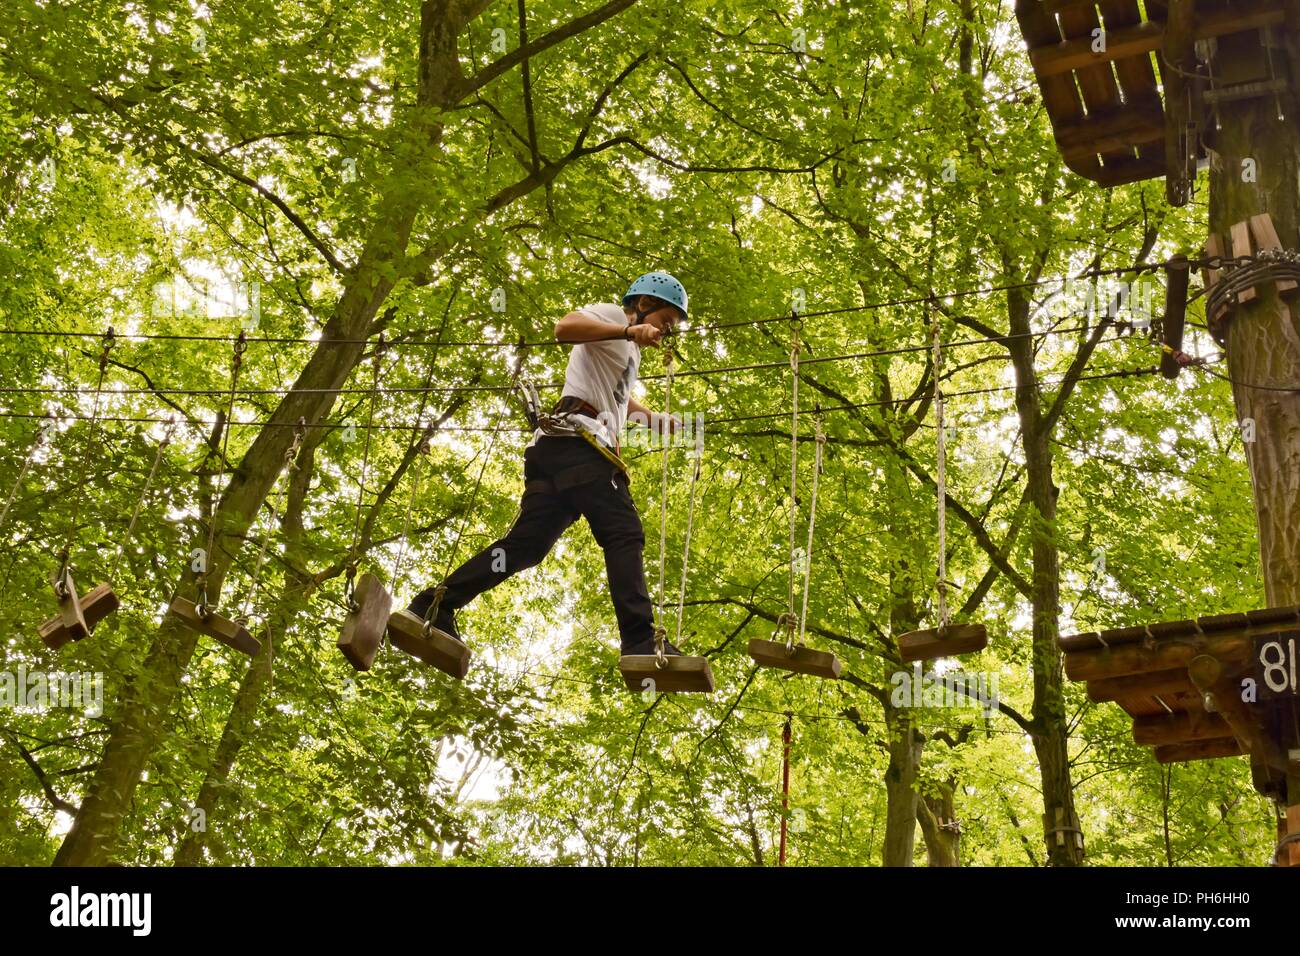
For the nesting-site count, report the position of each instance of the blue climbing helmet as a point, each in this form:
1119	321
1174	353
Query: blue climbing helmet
661	285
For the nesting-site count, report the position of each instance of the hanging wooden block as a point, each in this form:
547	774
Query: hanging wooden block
96	604
228	632
71	618
799	659
927	644
1266	238
674	675
363	629
1178	277
407	632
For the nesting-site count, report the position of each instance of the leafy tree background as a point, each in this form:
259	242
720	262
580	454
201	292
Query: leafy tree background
769	155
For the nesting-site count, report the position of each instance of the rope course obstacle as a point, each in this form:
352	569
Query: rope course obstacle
369	604
78	615
946	639
792	655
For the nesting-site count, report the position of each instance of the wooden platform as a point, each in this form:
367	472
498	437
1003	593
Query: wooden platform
678	675
930	643
1133	107
407	632
1181	682
799	659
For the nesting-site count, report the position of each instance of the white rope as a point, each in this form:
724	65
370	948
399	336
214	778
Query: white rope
144	493
421	452
794	461
663	496
41	434
690	523
940	478
812	518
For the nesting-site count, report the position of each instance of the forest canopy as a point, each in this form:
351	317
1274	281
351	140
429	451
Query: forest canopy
385	201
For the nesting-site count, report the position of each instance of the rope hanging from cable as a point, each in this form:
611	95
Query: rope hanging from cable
940	475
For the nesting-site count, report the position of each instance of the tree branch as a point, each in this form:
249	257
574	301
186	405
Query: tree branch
545	42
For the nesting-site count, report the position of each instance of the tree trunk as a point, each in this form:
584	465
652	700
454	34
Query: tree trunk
937	815
146	705
1263	345
1051	738
905	742
1262	341
900	786
248	699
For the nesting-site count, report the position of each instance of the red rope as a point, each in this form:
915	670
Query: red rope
785	781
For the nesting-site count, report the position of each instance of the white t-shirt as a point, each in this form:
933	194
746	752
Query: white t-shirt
602	374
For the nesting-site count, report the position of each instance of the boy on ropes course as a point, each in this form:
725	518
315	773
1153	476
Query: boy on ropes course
572	466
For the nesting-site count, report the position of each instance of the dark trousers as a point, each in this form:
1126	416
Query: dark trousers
543	517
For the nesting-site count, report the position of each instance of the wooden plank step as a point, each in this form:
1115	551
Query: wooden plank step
677	675
799	659
1235	621
930	643
1161	630
96	604
363	629
1096	79
1116	636
228	632
1117	171
1157	705
1154	683
408	633
1119	130
1273	616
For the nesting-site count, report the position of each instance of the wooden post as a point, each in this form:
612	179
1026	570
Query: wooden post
1176	60
1258	172
1290	823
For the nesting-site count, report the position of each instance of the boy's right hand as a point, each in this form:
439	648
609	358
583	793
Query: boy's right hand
644	334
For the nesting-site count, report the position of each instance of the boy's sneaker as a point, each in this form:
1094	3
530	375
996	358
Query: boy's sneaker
647	646
445	621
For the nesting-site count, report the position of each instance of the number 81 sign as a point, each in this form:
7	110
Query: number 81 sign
1275	664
